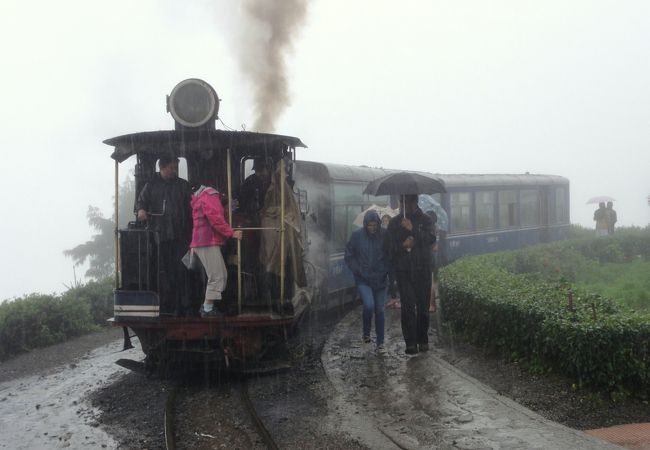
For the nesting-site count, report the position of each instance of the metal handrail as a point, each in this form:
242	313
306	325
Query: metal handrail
281	229
282	255
117	221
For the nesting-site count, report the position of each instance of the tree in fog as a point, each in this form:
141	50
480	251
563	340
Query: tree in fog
100	249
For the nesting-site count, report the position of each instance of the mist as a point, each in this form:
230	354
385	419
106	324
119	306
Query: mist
550	87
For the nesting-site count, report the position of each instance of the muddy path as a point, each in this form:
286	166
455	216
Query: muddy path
44	394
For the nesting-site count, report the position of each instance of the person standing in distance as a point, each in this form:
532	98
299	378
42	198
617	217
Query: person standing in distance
601	217
611	218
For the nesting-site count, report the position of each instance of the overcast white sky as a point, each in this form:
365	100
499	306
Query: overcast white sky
555	87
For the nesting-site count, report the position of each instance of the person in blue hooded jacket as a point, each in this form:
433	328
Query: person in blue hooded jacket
366	258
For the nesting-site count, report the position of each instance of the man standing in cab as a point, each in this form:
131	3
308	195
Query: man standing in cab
164	203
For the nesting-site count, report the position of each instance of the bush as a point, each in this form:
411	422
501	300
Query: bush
38	320
522	304
99	297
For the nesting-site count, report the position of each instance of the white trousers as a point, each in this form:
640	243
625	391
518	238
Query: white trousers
215	269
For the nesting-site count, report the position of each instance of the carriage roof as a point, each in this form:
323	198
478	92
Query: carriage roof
340	172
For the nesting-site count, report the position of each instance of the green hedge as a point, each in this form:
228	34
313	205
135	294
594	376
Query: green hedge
518	303
38	320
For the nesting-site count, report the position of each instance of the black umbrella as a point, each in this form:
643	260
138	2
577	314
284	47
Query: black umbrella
405	183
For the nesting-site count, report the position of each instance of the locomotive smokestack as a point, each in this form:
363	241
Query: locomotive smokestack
268	35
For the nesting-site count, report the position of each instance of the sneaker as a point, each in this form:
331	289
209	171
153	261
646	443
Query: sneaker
411	350
214	312
424	347
381	350
367	340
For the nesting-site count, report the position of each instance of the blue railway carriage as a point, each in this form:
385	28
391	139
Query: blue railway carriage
490	213
486	213
332	197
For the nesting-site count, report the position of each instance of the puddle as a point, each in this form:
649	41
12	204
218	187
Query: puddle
51	411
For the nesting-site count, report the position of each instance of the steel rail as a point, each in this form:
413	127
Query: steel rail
261	429
170	439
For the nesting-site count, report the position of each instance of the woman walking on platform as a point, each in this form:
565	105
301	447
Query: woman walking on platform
364	255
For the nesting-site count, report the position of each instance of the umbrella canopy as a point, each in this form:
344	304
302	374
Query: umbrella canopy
381	210
600	199
428	204
405	183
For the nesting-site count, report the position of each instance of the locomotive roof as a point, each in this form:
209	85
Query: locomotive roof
342	172
182	143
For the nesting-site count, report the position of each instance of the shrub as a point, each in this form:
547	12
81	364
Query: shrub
524	305
99	297
38	320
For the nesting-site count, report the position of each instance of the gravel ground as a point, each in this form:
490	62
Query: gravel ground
131	406
132	410
292	404
210	413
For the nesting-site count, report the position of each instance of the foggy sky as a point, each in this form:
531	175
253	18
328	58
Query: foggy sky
549	87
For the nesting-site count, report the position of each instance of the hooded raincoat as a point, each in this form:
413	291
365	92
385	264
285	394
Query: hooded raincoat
210	226
365	256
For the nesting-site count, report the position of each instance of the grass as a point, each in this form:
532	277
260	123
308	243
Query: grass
627	283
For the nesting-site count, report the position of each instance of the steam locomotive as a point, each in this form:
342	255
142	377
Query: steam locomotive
290	260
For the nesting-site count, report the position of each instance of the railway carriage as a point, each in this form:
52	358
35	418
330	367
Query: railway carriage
307	218
487	213
490	213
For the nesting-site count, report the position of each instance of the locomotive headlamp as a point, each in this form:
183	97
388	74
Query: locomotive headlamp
193	103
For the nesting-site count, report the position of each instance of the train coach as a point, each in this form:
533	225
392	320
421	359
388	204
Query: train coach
486	213
290	259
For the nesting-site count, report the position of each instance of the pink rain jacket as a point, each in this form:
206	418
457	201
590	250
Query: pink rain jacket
209	223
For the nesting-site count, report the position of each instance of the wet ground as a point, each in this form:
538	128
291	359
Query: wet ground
50	409
293	404
354	399
411	402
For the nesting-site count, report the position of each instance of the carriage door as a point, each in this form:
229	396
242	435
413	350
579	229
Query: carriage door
544	215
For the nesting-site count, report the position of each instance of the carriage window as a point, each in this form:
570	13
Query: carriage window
381	200
561	210
508	209
182	168
461	206
529	200
247	168
485	216
344	215
348	193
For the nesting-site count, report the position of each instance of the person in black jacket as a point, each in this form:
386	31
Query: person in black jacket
410	237
253	190
164	203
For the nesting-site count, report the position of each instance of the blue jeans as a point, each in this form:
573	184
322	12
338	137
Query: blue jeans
373	301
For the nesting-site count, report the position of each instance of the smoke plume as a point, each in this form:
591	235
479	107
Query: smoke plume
270	27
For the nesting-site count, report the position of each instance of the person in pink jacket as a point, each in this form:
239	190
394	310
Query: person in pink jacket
210	231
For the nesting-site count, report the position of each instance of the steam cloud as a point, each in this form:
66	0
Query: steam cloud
270	28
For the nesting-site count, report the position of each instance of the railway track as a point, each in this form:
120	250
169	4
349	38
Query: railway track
236	398
168	417
170	431
259	424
